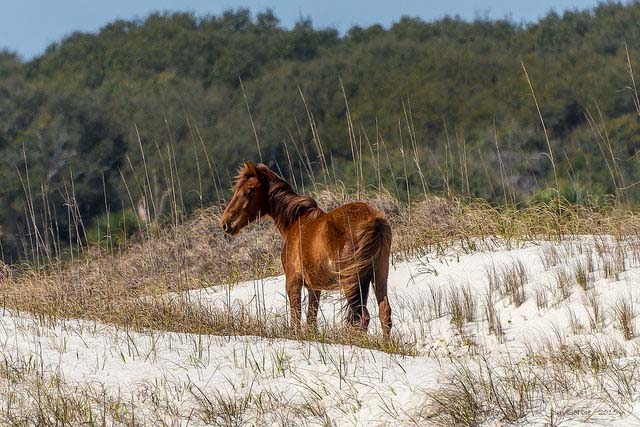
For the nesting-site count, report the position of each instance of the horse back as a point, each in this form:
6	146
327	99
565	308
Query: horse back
349	218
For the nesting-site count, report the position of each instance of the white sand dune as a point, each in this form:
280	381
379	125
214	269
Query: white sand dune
167	375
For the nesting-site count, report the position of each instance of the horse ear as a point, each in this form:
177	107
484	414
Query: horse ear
250	168
264	170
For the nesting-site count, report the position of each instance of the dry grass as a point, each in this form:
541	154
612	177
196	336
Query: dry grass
129	289
595	311
436	301
581	275
509	281
550	256
107	285
492	316
624	313
563	285
33	398
541	296
502	390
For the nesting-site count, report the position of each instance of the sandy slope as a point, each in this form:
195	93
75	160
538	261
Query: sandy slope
308	382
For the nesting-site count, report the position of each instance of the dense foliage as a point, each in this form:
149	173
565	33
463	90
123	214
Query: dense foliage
152	116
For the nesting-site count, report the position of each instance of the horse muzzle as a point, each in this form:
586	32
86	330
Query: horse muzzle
229	228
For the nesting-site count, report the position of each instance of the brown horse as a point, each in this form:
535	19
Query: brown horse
347	248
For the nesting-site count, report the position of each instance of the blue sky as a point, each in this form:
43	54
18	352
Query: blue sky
29	26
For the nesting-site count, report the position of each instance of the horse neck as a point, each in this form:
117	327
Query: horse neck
286	206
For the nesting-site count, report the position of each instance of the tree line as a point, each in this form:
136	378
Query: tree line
146	120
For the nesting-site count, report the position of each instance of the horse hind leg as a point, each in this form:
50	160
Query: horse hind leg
312	309
358	314
380	277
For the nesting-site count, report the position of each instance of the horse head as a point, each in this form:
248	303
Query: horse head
250	196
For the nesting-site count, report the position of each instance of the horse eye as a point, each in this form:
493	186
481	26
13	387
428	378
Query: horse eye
248	191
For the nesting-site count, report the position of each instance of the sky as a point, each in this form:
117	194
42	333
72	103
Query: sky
29	26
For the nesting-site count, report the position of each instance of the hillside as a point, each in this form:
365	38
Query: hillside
537	333
501	315
421	107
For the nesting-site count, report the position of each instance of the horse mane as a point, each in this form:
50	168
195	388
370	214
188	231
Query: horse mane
285	205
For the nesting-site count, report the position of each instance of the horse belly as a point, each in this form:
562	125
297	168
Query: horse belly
321	277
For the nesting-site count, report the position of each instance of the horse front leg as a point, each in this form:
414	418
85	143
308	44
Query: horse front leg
294	292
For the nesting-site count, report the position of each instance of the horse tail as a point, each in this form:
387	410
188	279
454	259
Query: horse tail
370	240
